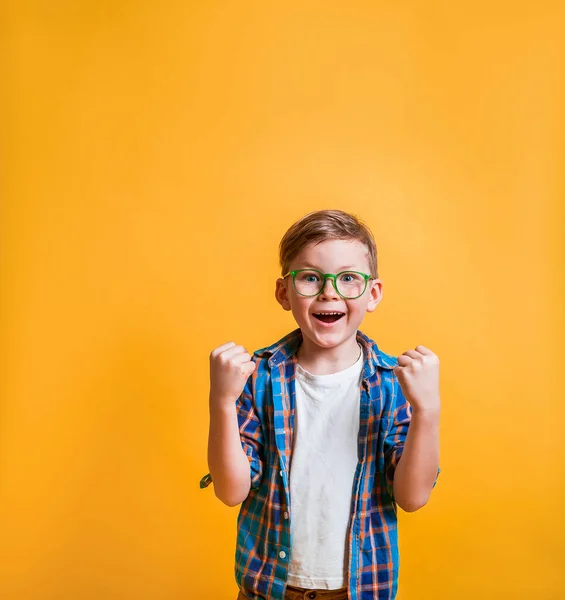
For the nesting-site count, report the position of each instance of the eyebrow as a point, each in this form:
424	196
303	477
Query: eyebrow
346	268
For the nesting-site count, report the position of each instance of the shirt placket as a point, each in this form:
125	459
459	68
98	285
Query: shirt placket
354	575
282	421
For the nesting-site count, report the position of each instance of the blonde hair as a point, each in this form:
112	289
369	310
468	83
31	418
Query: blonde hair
322	225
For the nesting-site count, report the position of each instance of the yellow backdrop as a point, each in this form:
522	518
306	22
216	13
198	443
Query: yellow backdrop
155	153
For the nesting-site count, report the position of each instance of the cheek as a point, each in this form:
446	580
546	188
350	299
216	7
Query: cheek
357	310
299	306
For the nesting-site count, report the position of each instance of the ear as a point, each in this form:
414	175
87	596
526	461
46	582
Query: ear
375	293
281	293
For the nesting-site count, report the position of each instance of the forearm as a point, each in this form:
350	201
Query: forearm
416	470
229	466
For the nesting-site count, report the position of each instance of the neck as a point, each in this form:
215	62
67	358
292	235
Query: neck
325	361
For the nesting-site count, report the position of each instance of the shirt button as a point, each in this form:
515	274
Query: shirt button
282	554
285	515
281	473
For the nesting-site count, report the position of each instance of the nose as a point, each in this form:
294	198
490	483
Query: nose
328	291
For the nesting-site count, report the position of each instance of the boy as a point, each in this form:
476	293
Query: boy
322	434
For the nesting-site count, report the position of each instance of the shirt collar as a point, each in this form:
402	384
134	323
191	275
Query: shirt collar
285	348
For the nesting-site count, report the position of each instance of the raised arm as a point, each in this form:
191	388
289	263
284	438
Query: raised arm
417	469
228	457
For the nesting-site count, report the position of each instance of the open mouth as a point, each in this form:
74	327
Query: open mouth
329	317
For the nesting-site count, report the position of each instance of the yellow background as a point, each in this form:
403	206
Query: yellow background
153	155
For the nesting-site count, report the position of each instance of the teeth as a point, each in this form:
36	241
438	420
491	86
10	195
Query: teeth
329	313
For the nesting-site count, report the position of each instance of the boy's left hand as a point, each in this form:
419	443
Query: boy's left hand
418	376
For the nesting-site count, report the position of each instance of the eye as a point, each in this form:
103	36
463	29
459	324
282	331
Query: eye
350	277
309	277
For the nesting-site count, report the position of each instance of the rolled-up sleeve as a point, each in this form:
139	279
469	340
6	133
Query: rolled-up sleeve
251	433
396	433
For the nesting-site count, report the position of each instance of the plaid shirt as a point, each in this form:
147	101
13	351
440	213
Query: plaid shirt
266	414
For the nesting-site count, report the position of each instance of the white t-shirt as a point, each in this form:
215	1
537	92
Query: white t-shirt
324	459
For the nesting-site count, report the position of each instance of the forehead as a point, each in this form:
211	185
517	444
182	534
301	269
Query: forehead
333	255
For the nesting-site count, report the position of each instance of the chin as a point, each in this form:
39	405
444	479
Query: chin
328	343
328	340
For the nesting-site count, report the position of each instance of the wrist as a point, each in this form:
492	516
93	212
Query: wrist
222	404
426	413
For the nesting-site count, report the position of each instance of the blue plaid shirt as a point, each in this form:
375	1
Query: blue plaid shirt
266	413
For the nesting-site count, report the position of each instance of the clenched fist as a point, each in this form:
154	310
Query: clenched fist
418	376
230	367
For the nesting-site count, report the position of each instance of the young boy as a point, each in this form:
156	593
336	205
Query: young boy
322	434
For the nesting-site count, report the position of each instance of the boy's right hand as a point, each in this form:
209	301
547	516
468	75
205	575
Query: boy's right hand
230	367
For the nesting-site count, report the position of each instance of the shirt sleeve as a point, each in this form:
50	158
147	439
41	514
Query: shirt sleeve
251	432
397	432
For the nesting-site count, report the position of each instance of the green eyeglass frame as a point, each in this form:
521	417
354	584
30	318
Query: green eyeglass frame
327	276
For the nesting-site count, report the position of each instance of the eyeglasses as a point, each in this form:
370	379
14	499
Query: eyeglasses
348	284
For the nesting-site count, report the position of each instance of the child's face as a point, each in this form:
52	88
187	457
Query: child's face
331	256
